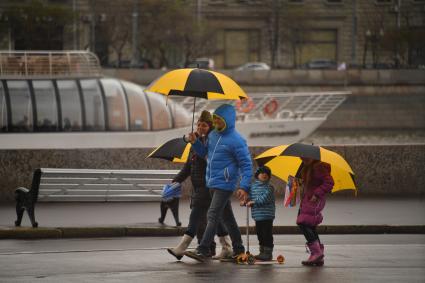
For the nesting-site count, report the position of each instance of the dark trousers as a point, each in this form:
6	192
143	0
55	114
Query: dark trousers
174	206
310	233
220	211
264	230
198	223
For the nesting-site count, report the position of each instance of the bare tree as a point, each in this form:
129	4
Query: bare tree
170	29
115	22
295	25
373	29
405	38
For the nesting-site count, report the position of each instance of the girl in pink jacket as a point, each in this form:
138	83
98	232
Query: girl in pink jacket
317	182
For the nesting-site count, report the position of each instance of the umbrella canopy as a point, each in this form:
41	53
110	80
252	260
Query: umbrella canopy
285	160
175	150
306	151
197	83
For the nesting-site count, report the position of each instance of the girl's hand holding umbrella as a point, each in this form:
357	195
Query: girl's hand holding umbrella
191	137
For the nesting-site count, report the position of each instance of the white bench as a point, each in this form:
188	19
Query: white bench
100	185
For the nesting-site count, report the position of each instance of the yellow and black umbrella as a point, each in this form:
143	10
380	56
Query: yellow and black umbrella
175	150
285	160
197	83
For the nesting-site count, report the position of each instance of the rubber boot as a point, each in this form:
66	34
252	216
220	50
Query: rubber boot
316	254
266	255
212	248
322	261
178	251
226	248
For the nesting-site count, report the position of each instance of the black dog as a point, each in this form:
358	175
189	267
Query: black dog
174	206
26	199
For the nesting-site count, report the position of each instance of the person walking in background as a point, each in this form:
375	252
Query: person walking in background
262	202
228	161
195	167
317	182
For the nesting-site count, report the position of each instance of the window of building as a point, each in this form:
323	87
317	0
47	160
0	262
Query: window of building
216	2
383	1
334	1
45	105
241	46
317	44
93	104
138	106
21	106
116	105
70	105
160	115
59	1
3	110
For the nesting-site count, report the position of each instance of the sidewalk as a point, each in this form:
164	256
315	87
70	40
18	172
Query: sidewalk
341	216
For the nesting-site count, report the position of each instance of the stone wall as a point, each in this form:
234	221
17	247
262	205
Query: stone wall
379	112
380	170
294	77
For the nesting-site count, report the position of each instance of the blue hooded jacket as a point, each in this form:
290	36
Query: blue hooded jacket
227	153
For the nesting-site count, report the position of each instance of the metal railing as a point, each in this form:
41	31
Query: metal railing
49	64
315	105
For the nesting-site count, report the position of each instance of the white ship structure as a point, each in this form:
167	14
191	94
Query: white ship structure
61	100
270	119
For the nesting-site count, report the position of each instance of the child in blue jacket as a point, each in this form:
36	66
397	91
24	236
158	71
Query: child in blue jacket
262	202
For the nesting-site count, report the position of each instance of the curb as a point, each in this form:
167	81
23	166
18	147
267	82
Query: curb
99	232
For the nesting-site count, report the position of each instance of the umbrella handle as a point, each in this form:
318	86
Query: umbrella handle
185	140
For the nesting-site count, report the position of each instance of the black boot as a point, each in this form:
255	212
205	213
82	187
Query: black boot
266	255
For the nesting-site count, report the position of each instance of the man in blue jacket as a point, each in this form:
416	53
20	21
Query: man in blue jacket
228	163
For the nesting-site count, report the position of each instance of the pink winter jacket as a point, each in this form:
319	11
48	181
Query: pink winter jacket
319	184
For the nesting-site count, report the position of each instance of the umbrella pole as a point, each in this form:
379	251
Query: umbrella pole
247	229
193	114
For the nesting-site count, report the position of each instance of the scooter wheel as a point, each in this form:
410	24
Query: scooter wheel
251	259
281	259
239	259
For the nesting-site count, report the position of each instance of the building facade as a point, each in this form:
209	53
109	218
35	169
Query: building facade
282	33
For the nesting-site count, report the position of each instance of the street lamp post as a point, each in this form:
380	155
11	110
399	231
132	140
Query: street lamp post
373	38
135	27
74	25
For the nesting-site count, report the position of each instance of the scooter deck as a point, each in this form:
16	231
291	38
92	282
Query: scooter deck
250	260
265	262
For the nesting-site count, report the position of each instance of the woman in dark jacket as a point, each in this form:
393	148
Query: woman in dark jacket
195	167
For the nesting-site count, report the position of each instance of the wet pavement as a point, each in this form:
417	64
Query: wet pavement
349	258
338	211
